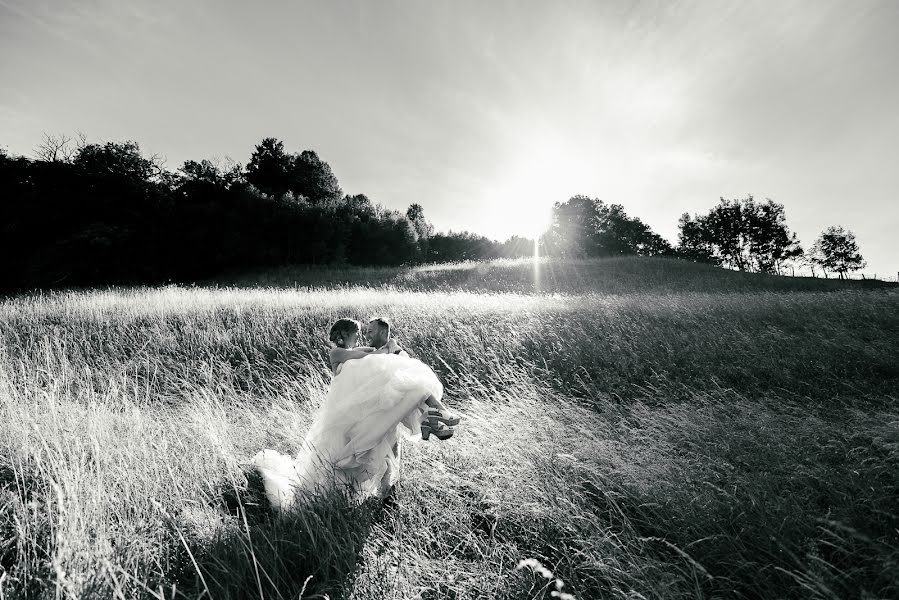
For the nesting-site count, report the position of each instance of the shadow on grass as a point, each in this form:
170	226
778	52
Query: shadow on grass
23	556
313	551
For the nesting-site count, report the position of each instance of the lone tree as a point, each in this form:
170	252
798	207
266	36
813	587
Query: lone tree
836	250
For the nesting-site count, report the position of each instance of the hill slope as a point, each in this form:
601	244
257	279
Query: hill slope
640	440
623	275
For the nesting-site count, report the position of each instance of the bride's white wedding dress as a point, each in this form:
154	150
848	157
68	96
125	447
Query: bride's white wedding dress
351	442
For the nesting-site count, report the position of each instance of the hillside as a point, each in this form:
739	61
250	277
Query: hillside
677	431
623	275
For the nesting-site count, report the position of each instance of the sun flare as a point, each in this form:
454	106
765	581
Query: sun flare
539	175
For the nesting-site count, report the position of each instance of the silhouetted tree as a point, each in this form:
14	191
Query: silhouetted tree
274	171
210	172
741	234
583	227
575	228
415	212
836	250
59	148
692	242
360	204
115	160
312	177
629	235
771	244
270	167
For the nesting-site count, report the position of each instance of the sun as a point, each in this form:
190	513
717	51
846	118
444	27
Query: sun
526	189
517	210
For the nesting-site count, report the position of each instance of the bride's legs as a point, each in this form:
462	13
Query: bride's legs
437	419
387	485
434	403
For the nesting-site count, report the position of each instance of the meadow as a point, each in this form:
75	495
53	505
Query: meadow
635	428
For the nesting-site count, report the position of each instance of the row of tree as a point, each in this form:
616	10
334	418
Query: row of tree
741	234
753	236
86	214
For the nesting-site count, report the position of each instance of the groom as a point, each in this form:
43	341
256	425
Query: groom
377	332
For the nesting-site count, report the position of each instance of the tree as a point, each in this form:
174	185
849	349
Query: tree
629	235
116	159
517	247
573	232
360	205
423	230
583	227
312	177
836	250
459	246
110	215
216	173
275	171
771	244
59	148
741	234
692	242
270	167
415	212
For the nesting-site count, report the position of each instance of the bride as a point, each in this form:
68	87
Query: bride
375	396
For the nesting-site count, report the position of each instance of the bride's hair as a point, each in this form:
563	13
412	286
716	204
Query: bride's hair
341	329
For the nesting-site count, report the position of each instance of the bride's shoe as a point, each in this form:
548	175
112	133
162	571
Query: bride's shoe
435	415
441	431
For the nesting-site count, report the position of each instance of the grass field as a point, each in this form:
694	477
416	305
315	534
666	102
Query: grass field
640	428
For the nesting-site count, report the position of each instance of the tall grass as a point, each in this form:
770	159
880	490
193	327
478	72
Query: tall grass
649	444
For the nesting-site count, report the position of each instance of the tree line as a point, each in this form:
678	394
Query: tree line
742	234
84	213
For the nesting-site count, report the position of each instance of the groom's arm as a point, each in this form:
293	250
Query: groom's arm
391	347
339	356
395	348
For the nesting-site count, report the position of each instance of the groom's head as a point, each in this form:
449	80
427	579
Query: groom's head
378	332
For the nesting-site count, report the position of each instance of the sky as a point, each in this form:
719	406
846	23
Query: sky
486	113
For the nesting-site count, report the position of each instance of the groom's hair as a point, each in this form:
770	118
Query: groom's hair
383	323
343	328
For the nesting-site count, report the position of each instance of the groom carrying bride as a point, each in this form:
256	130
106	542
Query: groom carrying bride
377	334
438	421
376	393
